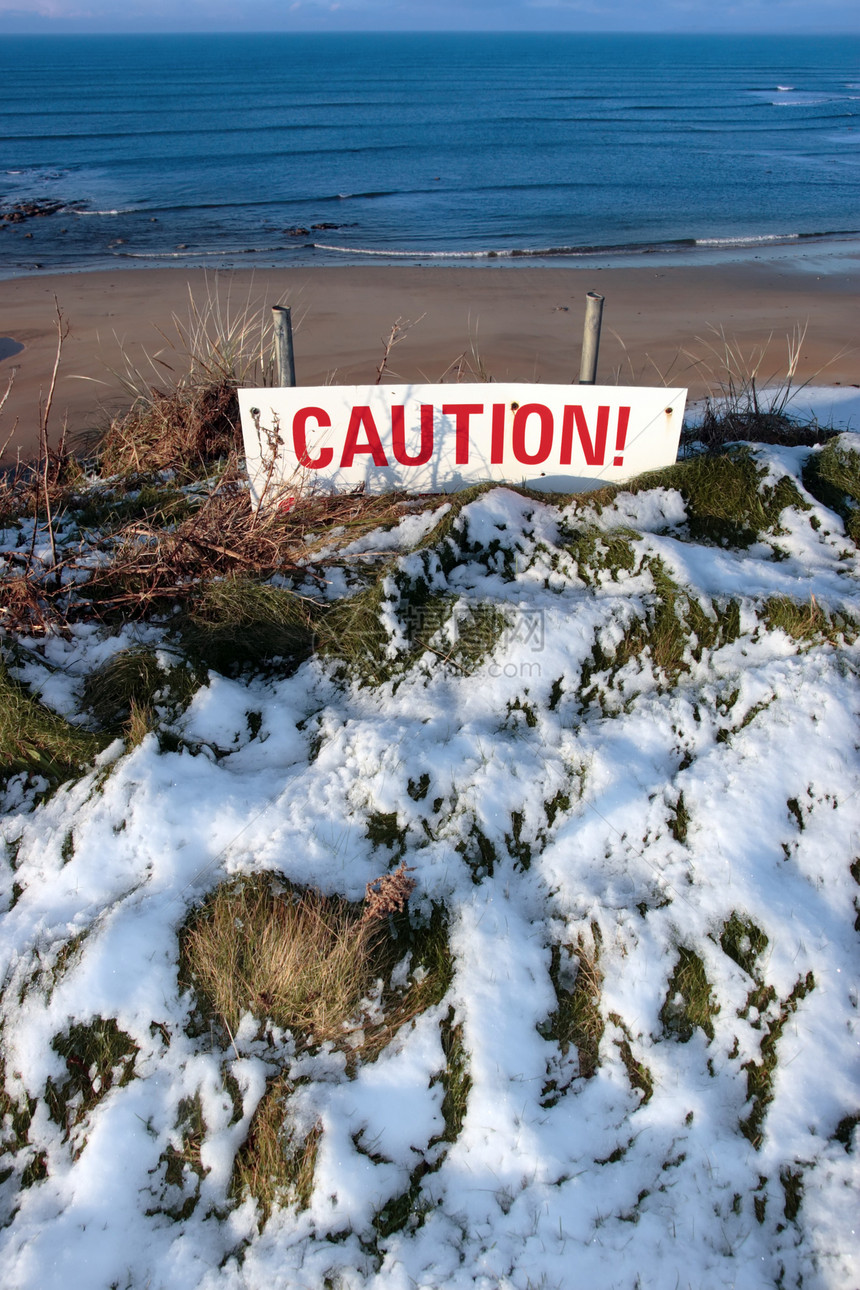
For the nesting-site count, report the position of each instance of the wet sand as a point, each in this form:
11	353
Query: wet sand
661	325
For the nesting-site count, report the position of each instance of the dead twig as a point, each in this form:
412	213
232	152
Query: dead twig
398	331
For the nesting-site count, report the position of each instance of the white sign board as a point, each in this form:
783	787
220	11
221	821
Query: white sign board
440	438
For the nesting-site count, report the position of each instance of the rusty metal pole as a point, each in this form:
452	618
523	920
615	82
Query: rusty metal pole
591	338
282	321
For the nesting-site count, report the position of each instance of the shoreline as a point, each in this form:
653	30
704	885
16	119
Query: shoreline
661	325
809	252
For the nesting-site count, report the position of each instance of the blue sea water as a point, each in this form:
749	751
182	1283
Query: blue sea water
212	149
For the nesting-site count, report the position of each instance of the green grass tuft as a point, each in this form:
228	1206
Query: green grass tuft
689	1000
383	830
183	1167
154	502
135	679
35	740
744	942
237	620
455	1079
726	500
679	820
832	476
98	1055
760	1075
637	1072
275	1165
597	552
350	630
806	623
577	1021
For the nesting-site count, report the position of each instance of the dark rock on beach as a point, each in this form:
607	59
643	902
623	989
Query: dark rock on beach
22	211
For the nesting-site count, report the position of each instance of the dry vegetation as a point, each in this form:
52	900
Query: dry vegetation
297	959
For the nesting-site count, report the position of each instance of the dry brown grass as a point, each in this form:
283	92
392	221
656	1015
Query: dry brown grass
298	958
183	430
220	346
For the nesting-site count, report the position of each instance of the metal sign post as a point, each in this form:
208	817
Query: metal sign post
591	338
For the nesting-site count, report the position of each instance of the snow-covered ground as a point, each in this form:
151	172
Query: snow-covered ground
635	813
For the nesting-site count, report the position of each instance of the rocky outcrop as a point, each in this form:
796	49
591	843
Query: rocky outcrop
22	211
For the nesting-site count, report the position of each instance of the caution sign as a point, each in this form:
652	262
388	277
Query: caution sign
441	438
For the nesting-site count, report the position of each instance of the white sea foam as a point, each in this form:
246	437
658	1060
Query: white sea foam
193	252
746	241
412	255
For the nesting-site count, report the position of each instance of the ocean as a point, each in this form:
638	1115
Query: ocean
484	149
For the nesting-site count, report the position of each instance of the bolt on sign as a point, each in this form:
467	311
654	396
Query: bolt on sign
440	438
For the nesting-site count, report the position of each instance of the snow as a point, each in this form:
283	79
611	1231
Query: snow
554	1178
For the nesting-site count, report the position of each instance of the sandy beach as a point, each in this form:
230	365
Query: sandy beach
661	326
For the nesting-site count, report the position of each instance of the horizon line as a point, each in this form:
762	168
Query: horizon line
441	31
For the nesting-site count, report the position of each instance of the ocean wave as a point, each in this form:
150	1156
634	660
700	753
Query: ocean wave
506	253
579	252
125	210
347	197
36	172
196	253
807	99
754	240
408	255
503	253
